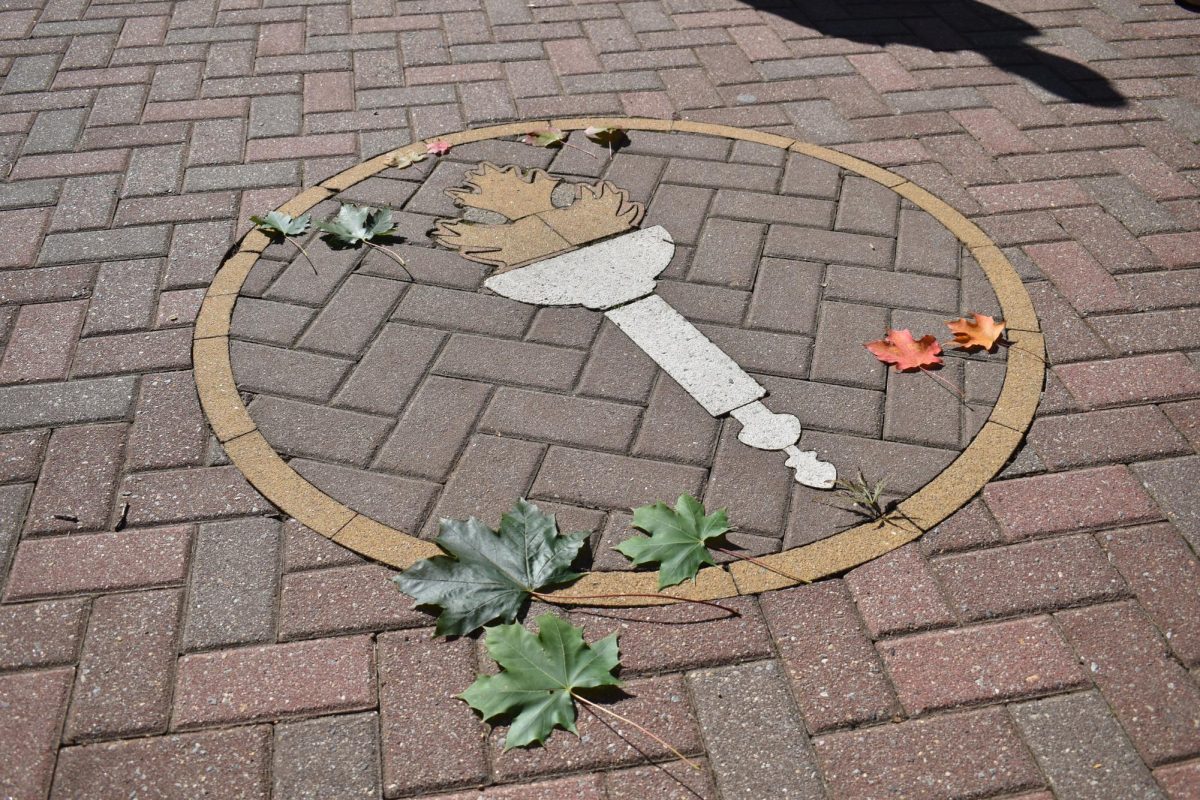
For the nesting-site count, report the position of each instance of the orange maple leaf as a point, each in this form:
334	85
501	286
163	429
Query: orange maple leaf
980	333
901	350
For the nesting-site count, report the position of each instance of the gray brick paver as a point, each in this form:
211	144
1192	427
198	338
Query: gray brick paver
234	584
767	754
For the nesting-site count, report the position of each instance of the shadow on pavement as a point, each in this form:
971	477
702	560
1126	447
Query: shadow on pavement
950	26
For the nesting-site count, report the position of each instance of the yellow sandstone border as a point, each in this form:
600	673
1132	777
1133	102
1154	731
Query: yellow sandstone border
982	459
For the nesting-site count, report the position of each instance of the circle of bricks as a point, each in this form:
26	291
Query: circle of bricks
950	490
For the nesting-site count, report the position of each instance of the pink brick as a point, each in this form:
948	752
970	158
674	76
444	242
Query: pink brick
359	598
1080	278
760	42
231	764
41	634
133	352
267	682
54	166
1174	250
43	342
656	105
975	754
891	152
190	494
836	675
455	73
75	490
581	787
1033	576
1090	498
1150	173
399	23
328	91
980	664
884	72
1030	196
182	306
281	39
1181	781
291	147
421	720
21	253
1186	418
670	780
1022	228
214	108
1165	575
99	562
34	704
994	130
573	57
1153	697
897	593
1108	240
168	426
1119	435
143	31
969	527
683	636
1141	379
124	682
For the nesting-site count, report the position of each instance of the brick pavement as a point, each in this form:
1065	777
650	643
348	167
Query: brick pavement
164	633
788	284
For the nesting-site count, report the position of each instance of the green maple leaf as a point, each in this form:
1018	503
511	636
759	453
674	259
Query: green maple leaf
276	222
678	538
539	677
546	137
354	224
489	575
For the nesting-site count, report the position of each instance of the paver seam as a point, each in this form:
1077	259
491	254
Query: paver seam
977	464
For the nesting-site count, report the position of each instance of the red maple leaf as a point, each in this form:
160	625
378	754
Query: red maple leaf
982	332
902	351
438	147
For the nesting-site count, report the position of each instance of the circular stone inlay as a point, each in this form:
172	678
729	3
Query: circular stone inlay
382	398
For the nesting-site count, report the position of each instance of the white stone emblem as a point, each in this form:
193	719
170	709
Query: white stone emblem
616	276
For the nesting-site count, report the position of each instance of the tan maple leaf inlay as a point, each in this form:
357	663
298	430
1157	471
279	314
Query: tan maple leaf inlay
536	228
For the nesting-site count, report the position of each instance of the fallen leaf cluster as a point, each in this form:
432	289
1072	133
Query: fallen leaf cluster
906	354
487	576
551	136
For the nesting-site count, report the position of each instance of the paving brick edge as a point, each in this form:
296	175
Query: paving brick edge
950	490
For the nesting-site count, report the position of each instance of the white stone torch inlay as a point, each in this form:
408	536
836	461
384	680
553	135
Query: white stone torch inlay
616	276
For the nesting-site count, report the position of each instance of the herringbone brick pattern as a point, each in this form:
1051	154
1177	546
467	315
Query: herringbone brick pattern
396	396
164	633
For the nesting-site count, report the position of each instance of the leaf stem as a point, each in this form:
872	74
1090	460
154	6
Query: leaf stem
1015	346
296	243
556	601
580	149
757	563
593	707
953	389
391	255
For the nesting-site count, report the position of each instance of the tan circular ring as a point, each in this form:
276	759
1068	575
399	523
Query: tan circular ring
978	463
